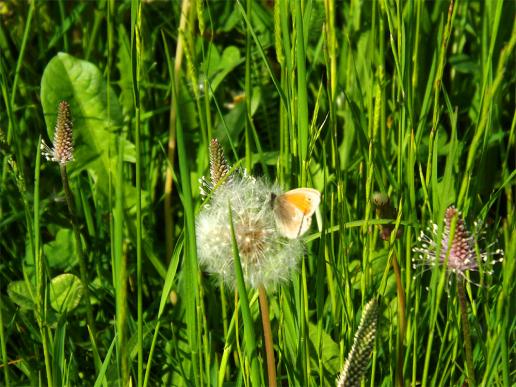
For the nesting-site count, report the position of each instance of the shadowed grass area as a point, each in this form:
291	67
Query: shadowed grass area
394	111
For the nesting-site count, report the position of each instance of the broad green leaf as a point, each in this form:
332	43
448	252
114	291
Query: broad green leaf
20	294
66	291
30	268
96	114
232	126
220	67
60	253
329	351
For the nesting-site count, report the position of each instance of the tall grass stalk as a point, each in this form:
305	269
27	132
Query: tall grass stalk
302	134
78	243
120	270
431	172
5	364
80	251
171	145
191	277
136	44
41	282
249	333
466	332
437	91
490	91
172	269
248	89
23	47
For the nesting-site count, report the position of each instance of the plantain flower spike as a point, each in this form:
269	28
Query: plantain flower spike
219	169
456	250
363	343
62	149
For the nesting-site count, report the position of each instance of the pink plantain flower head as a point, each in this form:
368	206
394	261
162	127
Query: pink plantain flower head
456	248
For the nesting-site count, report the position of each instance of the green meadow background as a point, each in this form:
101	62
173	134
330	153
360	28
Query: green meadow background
413	99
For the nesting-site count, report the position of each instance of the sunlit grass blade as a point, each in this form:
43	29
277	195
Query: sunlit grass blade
120	271
249	334
136	54
167	287
101	377
190	250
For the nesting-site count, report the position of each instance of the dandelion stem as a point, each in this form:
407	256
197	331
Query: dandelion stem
80	254
465	330
267	336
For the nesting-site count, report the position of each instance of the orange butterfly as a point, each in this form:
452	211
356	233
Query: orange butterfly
293	210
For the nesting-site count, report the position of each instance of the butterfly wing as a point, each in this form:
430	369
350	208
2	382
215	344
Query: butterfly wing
289	219
293	211
305	199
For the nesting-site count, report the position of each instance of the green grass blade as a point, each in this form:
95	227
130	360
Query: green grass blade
101	377
249	334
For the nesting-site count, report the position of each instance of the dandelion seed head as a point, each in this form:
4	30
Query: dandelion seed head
267	258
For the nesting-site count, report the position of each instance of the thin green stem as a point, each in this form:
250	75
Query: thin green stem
137	44
62	15
3	345
437	89
40	274
248	88
465	331
46	353
171	147
120	268
80	252
19	63
190	253
302	95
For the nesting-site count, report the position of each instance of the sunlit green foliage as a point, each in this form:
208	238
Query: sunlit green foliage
412	99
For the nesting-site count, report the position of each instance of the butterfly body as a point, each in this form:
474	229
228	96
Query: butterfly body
293	210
